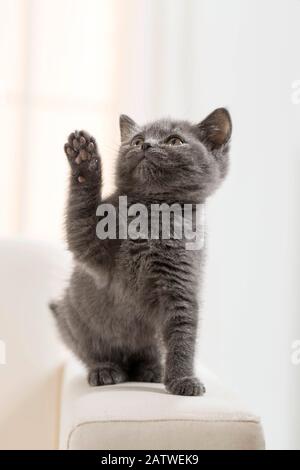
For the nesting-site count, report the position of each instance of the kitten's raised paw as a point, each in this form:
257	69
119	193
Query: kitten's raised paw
81	150
106	374
188	386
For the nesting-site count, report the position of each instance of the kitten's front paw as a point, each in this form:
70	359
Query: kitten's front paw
106	374
81	150
189	386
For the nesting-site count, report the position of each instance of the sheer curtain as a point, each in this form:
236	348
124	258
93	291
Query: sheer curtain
68	64
58	72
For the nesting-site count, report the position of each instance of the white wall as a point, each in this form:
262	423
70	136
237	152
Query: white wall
71	63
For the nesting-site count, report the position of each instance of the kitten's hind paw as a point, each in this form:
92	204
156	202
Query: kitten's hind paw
106	374
81	150
148	374
188	386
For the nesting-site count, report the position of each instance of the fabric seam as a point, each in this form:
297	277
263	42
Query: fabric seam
253	421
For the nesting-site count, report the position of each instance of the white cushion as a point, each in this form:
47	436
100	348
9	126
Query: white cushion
143	416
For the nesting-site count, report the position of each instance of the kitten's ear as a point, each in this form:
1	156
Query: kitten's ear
216	129
127	127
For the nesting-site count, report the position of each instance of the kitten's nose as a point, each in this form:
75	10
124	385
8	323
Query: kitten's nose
146	145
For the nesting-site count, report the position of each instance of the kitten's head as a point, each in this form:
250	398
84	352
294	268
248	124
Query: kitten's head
175	158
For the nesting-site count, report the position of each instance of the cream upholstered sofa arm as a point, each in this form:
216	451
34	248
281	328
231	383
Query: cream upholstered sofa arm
143	416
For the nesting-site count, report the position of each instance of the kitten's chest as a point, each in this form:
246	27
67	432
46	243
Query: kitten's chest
161	260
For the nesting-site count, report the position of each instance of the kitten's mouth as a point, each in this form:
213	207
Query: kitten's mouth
148	162
141	158
155	156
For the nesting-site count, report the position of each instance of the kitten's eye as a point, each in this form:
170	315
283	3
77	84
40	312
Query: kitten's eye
174	140
137	141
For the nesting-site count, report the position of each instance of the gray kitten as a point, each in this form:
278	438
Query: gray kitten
130	302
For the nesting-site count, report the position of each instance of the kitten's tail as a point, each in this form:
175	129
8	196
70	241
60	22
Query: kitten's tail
53	307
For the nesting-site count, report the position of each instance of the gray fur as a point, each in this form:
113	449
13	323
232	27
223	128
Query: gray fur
132	303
